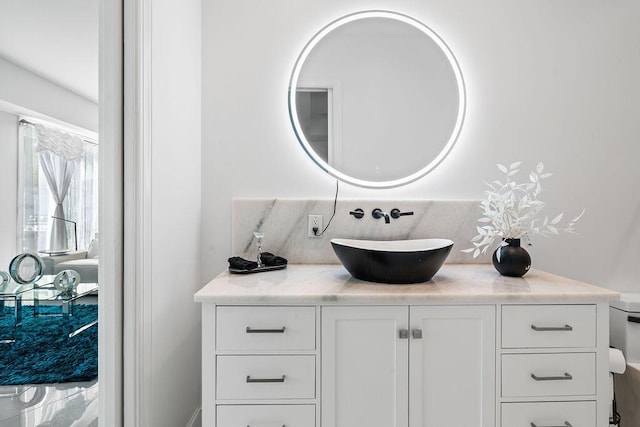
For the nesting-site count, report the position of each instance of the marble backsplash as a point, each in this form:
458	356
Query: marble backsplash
284	223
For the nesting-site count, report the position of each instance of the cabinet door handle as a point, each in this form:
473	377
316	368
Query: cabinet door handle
552	328
417	334
633	319
403	334
566	424
265	331
265	380
566	376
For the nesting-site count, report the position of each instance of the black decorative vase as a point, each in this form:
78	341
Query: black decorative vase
511	259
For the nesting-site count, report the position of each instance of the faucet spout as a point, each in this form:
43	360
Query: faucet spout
377	213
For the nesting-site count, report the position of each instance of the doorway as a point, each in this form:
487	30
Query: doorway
57	49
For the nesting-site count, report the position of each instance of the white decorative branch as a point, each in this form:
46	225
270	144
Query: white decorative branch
511	211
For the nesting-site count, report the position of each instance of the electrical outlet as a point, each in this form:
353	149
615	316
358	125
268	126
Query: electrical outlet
315	221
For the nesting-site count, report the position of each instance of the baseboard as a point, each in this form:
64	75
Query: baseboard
196	418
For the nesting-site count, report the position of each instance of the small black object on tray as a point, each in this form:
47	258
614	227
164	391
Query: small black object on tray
270	262
257	269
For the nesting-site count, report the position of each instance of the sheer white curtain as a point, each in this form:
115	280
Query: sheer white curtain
59	172
59	152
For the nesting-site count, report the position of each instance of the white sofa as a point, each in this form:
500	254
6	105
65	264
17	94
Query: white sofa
84	262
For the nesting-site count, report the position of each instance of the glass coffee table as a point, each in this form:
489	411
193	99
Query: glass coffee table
11	295
38	295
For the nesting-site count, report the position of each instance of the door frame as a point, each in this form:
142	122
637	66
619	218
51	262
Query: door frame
125	149
136	262
111	220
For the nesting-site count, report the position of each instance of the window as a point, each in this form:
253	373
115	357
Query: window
51	156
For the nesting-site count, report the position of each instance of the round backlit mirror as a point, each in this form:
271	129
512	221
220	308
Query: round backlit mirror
377	99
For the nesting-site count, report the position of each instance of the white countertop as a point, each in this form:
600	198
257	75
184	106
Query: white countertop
454	283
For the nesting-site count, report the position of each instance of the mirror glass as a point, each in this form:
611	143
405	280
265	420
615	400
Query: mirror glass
377	99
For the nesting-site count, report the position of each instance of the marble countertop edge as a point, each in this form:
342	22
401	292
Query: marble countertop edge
394	299
454	283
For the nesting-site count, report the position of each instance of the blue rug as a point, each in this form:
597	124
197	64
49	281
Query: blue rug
43	353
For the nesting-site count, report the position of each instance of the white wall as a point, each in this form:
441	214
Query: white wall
550	81
27	93
175	211
8	187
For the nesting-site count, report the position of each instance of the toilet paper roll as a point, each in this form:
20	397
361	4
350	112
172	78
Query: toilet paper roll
617	364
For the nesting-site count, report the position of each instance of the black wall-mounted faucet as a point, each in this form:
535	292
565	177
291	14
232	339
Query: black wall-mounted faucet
377	213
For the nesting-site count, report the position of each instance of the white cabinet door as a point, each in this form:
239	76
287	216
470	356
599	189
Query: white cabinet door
364	367
452	366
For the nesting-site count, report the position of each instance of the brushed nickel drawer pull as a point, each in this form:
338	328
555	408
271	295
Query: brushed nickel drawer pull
566	424
551	328
403	334
417	334
566	376
265	380
265	331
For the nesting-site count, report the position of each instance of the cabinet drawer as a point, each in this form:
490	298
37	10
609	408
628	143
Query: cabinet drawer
548	326
266	377
544	414
266	328
266	415
561	374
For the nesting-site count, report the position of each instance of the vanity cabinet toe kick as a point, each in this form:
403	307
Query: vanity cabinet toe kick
405	364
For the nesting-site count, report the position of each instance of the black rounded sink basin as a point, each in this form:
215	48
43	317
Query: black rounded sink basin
392	261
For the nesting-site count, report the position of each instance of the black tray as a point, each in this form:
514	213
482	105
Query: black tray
257	269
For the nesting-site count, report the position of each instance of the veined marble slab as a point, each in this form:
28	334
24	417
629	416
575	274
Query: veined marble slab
454	283
284	222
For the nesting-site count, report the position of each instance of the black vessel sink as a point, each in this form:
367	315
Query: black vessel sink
392	261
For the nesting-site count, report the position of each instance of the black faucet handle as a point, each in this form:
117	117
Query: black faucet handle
396	213
358	213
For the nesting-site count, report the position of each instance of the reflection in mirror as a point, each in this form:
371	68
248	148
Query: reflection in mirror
376	99
313	113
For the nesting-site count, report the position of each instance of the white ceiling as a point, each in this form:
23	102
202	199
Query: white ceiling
56	39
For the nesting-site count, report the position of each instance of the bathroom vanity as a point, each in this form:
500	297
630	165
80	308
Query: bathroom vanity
311	346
